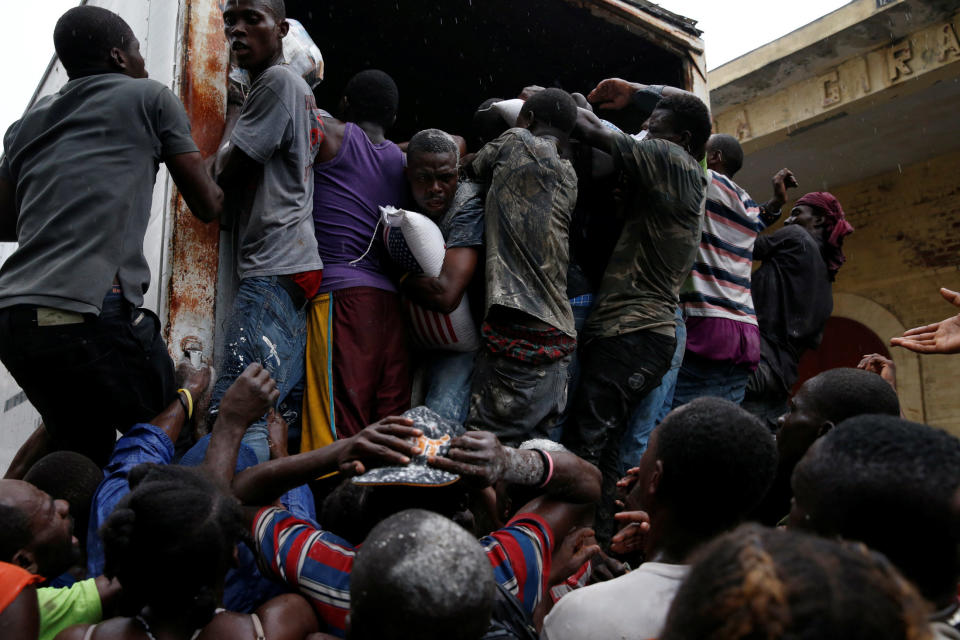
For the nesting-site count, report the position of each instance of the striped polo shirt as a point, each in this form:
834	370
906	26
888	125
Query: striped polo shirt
318	563
719	283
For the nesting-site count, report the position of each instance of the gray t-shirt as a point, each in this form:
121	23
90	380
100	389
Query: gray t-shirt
84	161
280	128
632	606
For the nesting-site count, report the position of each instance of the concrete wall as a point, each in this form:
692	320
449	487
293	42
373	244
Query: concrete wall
906	246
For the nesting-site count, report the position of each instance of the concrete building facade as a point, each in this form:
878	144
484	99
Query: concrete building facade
865	103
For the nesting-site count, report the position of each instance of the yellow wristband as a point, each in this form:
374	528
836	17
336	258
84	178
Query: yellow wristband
404	277
189	402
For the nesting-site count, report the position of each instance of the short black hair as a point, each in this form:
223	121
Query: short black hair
844	392
372	96
888	483
420	575
277	7
84	37
171	540
766	583
730	149
344	512
70	476
553	107
718	463
15	531
690	114
432	141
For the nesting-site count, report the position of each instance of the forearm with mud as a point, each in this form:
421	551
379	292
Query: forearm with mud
264	483
574	479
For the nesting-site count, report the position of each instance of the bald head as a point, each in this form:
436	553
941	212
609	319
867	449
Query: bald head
724	154
420	575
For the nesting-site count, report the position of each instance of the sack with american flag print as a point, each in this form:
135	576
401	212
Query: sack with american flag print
415	244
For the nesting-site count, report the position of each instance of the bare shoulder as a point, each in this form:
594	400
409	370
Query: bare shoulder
287	616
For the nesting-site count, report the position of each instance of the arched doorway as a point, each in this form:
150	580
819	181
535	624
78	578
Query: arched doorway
845	342
876	326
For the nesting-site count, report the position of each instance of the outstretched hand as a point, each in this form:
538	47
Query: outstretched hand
613	93
939	337
390	441
249	397
630	538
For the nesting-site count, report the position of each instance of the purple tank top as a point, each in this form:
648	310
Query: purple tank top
348	193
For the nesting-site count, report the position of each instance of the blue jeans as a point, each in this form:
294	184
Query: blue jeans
265	327
655	407
700	377
581	307
448	378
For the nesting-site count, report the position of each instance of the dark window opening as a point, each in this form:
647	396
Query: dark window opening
448	57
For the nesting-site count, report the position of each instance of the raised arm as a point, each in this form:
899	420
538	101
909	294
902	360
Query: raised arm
444	292
248	398
591	131
771	209
616	93
386	442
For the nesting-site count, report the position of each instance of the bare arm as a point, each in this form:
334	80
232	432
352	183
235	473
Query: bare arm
201	193
8	211
233	168
444	292
616	93
287	617
247	399
21	619
385	442
590	130
782	180
109	591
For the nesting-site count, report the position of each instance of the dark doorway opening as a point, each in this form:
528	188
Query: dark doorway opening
448	57
844	343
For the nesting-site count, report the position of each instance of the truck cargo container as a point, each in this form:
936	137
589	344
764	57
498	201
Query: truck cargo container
447	57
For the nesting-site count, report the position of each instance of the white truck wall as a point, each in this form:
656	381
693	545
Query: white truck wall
158	25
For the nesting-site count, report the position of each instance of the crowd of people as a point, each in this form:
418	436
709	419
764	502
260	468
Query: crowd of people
619	455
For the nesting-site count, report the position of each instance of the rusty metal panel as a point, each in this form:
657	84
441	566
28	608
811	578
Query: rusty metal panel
194	246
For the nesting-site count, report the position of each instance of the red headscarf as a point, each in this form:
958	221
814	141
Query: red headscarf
835	222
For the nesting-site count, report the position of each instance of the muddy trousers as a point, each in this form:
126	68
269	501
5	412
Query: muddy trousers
91	375
617	374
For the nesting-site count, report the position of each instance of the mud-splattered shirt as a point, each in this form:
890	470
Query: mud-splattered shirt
658	243
528	209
